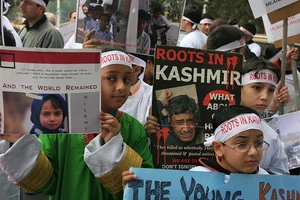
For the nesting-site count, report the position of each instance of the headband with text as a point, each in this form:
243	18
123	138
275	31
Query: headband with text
115	57
262	76
235	126
232	45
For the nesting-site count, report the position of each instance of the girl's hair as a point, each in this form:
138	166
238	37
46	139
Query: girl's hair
257	64
226	113
54	102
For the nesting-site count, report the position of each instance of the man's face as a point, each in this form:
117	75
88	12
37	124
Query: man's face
30	10
204	28
184	126
141	26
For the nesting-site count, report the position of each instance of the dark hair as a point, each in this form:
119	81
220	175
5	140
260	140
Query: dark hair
9	39
181	104
271	51
257	64
225	113
104	15
157	10
250	27
107	48
143	15
193	12
208	16
223	35
110	7
222	21
70	15
54	101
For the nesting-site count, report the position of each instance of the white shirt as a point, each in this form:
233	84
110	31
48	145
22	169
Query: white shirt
9	27
195	39
138	104
255	48
71	44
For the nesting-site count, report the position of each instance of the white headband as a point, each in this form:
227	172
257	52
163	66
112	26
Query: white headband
137	61
232	45
246	31
206	21
40	2
278	55
115	57
235	126
262	76
188	19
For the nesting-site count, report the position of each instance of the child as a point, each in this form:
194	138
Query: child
238	142
102	33
84	166
48	114
259	88
159	25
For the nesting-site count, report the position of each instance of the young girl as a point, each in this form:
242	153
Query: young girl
48	114
84	166
238	142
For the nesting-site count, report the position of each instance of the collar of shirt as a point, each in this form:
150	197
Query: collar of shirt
37	24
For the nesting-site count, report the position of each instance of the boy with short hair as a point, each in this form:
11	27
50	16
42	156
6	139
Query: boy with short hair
205	23
102	33
194	38
159	25
238	142
83	166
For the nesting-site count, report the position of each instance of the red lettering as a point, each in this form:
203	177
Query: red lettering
182	56
199	57
173	52
160	54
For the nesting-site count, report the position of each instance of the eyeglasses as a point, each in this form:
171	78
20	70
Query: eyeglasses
244	147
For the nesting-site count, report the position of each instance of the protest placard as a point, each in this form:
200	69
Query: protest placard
67	30
288	126
31	77
189	86
285	12
158	25
190	185
275	31
262	7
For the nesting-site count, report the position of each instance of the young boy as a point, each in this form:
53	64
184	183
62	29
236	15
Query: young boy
102	33
189	24
238	142
159	25
83	166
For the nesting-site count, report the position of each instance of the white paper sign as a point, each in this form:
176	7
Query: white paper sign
262	7
67	31
274	31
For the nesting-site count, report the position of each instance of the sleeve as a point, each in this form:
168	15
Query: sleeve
186	42
53	39
9	27
25	164
166	21
279	160
268	113
108	161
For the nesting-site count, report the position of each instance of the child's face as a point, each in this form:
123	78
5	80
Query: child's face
103	21
115	86
157	15
237	162
257	96
50	118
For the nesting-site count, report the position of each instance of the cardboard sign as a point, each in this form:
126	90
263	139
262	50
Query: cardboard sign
285	12
275	31
174	184
262	7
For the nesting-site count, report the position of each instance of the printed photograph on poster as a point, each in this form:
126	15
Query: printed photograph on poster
134	25
189	86
47	91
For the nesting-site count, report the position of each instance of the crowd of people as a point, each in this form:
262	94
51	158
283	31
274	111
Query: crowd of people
96	166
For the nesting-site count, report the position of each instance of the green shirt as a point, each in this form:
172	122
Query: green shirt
72	179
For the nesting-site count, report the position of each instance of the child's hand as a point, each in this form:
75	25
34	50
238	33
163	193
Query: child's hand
280	96
292	54
90	43
110	126
151	125
127	177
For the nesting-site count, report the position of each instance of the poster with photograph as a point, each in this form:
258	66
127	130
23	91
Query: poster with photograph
189	86
48	91
288	128
134	25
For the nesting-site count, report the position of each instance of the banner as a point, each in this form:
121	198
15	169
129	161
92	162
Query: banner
189	86
262	7
159	23
190	185
48	90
